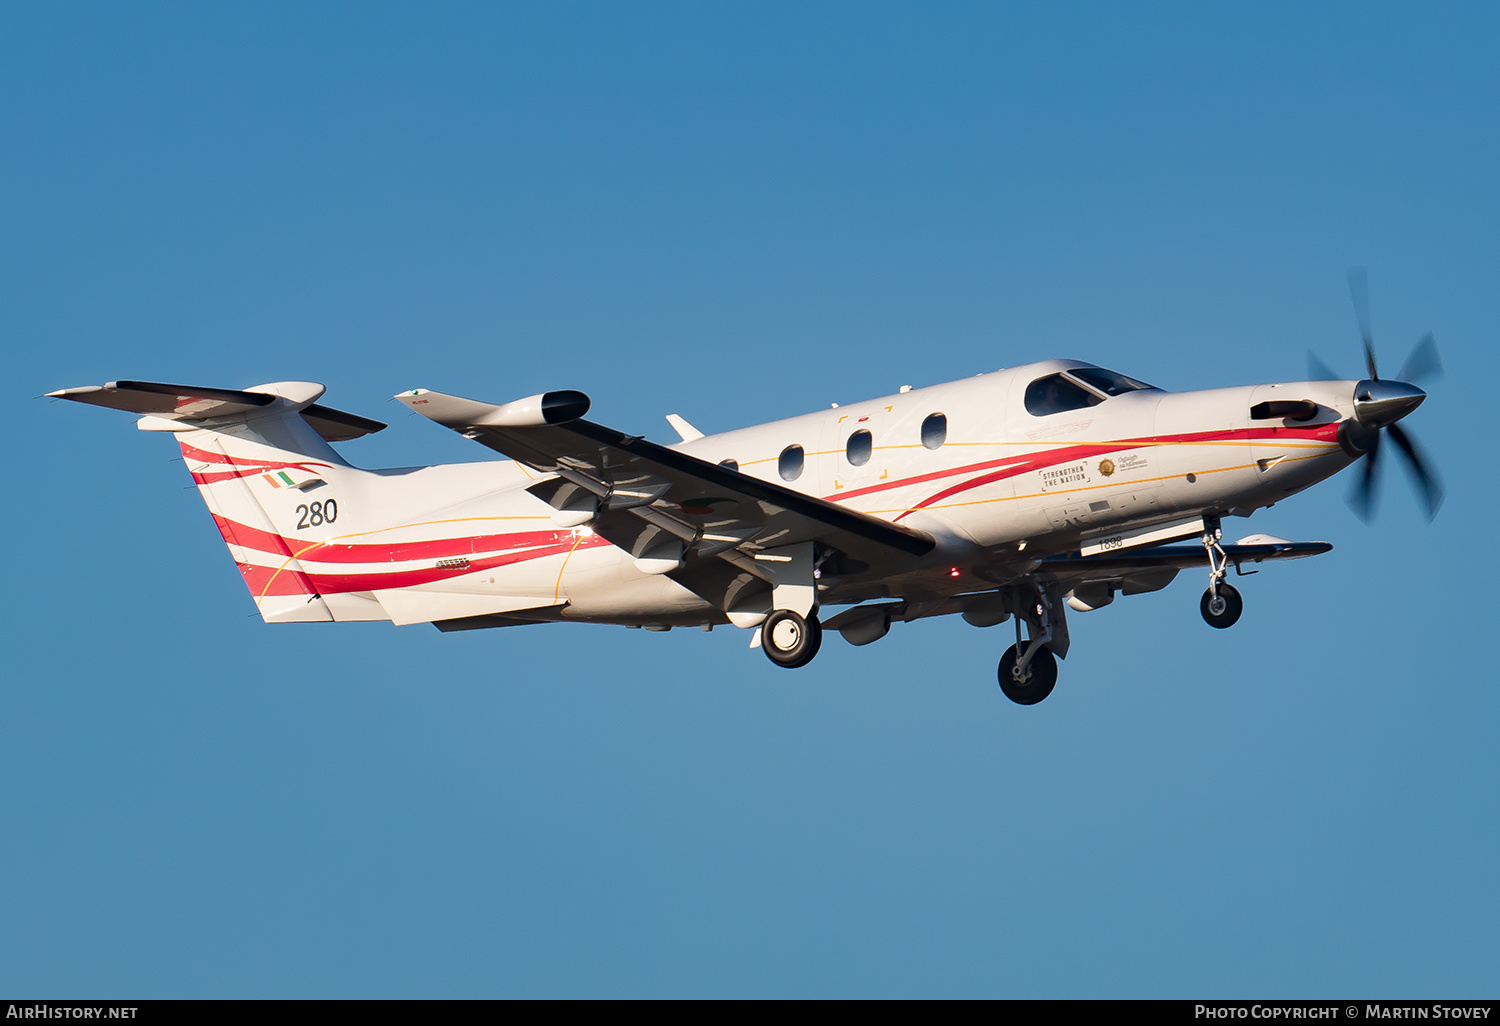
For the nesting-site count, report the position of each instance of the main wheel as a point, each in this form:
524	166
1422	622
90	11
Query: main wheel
789	639
1038	681
1223	611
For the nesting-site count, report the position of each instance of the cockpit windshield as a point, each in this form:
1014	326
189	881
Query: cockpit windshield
1076	389
1108	381
1056	394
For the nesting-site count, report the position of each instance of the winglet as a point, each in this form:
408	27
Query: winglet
683	428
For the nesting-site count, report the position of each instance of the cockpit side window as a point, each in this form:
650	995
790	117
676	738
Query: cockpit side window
1056	394
1109	382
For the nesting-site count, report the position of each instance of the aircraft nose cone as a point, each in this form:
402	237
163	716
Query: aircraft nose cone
1380	403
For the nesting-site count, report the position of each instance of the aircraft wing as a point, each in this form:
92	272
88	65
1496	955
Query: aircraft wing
650	498
1178	555
1130	572
1149	569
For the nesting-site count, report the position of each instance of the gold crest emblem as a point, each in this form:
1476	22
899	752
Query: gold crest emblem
1106	467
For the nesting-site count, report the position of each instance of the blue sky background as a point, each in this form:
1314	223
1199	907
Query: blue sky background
738	213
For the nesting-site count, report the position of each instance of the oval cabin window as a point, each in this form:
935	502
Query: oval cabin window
859	448
935	431
790	464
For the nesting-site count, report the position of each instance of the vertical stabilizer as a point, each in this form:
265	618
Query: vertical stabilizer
270	479
229	470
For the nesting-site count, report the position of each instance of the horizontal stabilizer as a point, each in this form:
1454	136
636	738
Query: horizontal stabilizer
193	403
338	426
181	401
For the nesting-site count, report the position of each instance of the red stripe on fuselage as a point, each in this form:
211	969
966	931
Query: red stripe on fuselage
936	475
520	547
1014	466
526	545
250	468
265	580
332	583
388	552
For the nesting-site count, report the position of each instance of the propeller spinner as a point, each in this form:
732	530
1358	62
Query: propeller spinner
1379	403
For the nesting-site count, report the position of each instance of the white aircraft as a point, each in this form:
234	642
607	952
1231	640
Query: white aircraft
1017	493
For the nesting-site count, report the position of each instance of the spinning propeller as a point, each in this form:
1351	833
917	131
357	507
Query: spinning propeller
1379	403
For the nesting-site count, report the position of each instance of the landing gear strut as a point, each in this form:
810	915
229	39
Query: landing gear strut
1221	605
1028	672
791	640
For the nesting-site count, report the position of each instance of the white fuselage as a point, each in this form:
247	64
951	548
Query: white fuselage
1003	489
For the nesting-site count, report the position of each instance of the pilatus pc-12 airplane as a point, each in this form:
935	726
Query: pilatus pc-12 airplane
1020	493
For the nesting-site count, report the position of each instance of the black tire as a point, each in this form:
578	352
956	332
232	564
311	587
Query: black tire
1041	676
1228	610
789	639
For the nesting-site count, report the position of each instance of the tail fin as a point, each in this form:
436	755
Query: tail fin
264	468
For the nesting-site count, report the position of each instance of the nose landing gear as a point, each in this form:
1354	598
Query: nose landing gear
1221	604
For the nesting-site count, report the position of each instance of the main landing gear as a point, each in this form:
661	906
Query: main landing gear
790	639
1028	671
1221	605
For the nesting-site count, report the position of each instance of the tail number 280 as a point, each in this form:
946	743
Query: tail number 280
317	514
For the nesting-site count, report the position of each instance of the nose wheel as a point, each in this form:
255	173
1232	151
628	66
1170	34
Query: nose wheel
1221	607
1028	684
791	640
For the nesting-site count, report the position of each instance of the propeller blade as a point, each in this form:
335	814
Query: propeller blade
1362	497
1359	291
1317	370
1422	474
1423	361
